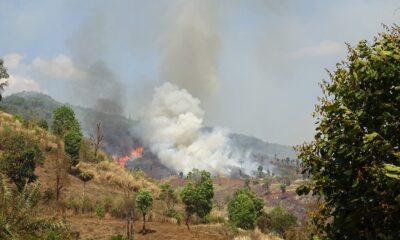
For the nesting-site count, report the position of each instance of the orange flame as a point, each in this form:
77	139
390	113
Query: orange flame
135	153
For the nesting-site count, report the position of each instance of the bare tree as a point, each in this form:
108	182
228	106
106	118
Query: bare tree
60	166
97	139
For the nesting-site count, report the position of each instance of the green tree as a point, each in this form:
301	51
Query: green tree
42	123
19	158
241	213
260	171
168	195
278	220
266	184
73	140
197	195
65	125
283	187
357	139
64	121
3	75
144	202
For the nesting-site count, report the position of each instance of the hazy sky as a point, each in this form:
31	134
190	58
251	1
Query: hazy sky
254	64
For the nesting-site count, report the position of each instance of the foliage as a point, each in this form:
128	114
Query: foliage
282	186
197	195
278	220
19	214
144	202
64	121
244	208
260	171
42	123
266	184
247	183
357	139
73	141
117	237
168	195
85	176
20	156
3	74
100	210
65	125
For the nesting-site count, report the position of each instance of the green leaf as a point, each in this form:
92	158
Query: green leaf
370	137
303	190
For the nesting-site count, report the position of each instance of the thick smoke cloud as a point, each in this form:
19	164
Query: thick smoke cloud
189	55
173	128
101	86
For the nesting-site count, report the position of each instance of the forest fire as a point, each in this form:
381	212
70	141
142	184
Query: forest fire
135	153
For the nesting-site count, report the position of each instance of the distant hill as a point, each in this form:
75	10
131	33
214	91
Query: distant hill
119	137
259	147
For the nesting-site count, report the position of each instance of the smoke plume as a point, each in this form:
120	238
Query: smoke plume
173	128
191	47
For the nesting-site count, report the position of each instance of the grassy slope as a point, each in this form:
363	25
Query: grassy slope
105	184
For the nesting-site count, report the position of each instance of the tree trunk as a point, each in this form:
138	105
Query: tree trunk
144	224
187	222
128	235
131	227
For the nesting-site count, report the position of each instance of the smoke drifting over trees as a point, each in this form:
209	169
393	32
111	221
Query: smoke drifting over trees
173	128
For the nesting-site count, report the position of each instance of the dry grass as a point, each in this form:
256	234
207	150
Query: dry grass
256	235
112	174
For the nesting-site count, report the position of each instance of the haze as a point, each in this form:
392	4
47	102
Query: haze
255	65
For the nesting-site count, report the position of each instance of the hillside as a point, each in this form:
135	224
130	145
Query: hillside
119	137
95	210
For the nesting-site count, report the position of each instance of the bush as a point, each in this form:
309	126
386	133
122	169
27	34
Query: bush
117	237
53	235
73	204
242	212
20	155
278	220
100	211
48	195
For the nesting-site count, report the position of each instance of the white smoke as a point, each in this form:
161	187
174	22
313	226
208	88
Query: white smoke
173	128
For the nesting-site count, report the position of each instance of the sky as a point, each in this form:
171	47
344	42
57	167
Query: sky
255	65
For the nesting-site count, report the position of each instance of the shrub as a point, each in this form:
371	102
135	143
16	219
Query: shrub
278	220
117	237
20	156
100	211
244	208
48	195
73	204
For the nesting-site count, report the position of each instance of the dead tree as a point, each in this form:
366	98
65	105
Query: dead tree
97	139
60	166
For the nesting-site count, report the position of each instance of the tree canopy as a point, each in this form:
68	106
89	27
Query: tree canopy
66	125
197	195
64	120
144	202
354	159
244	208
19	157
